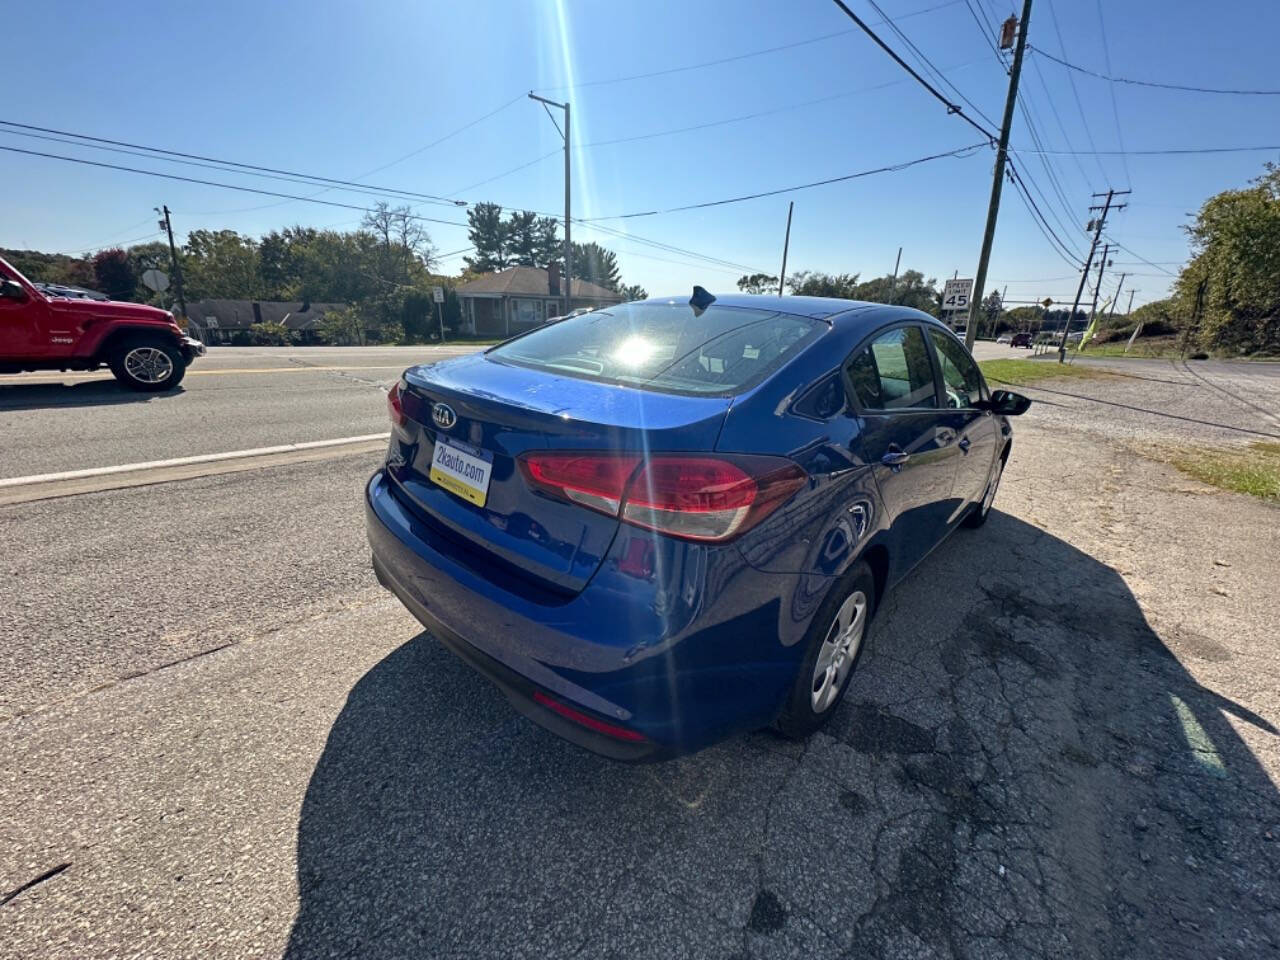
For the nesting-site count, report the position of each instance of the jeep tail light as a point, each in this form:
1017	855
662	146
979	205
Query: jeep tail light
703	497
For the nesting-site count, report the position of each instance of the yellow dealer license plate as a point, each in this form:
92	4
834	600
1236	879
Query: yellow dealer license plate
463	470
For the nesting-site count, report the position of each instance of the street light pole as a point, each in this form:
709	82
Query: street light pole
568	242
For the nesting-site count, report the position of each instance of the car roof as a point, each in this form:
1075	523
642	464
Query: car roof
832	309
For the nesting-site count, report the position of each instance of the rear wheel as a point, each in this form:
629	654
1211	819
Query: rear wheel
148	363
835	641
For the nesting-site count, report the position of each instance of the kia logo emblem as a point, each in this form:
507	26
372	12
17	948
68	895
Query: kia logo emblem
443	416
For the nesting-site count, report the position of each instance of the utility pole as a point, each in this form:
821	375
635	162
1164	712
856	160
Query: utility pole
1097	287
1129	310
997	182
568	243
1098	224
786	245
1115	301
173	259
893	285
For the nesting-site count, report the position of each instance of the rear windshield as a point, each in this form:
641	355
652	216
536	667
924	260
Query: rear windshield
664	345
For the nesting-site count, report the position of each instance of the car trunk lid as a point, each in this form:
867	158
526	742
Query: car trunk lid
500	411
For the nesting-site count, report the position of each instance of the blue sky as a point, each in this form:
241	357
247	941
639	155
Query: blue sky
343	90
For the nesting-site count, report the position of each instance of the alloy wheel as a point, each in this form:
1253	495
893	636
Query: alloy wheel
839	650
148	364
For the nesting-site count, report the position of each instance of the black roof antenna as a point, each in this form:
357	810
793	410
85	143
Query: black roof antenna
700	300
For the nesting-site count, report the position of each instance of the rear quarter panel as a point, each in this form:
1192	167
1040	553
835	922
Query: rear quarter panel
824	529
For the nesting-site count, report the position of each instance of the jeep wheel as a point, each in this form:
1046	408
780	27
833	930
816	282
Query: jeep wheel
148	363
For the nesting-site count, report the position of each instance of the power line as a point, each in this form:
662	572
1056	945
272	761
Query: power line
985	30
327	203
448	136
506	173
672	131
1053	107
112	243
1161	152
951	107
928	65
1133	253
222	164
958	152
1067	254
660	245
1076	93
741	56
1154	83
213	183
1054	182
1111	88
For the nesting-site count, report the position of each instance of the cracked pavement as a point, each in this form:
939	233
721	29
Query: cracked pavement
1061	740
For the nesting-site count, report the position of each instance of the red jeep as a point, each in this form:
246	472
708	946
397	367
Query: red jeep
142	345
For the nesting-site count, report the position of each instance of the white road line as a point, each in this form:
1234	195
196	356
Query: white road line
186	461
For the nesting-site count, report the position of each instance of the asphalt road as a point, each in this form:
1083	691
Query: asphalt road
220	738
235	398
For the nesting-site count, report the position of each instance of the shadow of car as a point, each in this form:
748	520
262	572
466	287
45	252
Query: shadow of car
1021	766
15	395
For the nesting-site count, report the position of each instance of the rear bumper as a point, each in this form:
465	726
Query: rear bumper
625	652
516	687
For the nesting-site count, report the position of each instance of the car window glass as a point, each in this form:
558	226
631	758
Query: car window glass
894	372
960	375
665	346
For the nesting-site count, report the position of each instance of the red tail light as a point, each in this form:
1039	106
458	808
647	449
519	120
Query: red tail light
395	406
693	496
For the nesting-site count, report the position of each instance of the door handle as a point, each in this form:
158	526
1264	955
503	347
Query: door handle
895	456
965	444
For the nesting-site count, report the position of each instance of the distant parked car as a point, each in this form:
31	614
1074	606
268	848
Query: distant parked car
1004	338
69	293
665	523
1020	340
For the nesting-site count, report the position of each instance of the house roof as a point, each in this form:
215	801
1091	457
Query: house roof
239	314
531	282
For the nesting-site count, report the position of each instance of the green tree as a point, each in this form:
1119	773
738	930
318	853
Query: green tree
1236	242
523	241
811	283
269	334
114	274
151	256
344	327
596	264
633	291
220	264
758	283
488	234
550	249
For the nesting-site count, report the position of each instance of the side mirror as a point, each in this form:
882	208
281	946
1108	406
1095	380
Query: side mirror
1007	403
12	290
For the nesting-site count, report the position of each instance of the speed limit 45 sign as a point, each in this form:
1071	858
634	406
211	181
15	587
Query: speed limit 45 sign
956	293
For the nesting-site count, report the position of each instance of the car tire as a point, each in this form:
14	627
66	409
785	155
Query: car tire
836	638
147	363
978	515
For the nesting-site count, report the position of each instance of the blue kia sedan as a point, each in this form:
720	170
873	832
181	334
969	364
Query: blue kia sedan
660	524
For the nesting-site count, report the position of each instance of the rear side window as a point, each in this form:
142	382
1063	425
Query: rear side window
666	346
894	372
960	374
